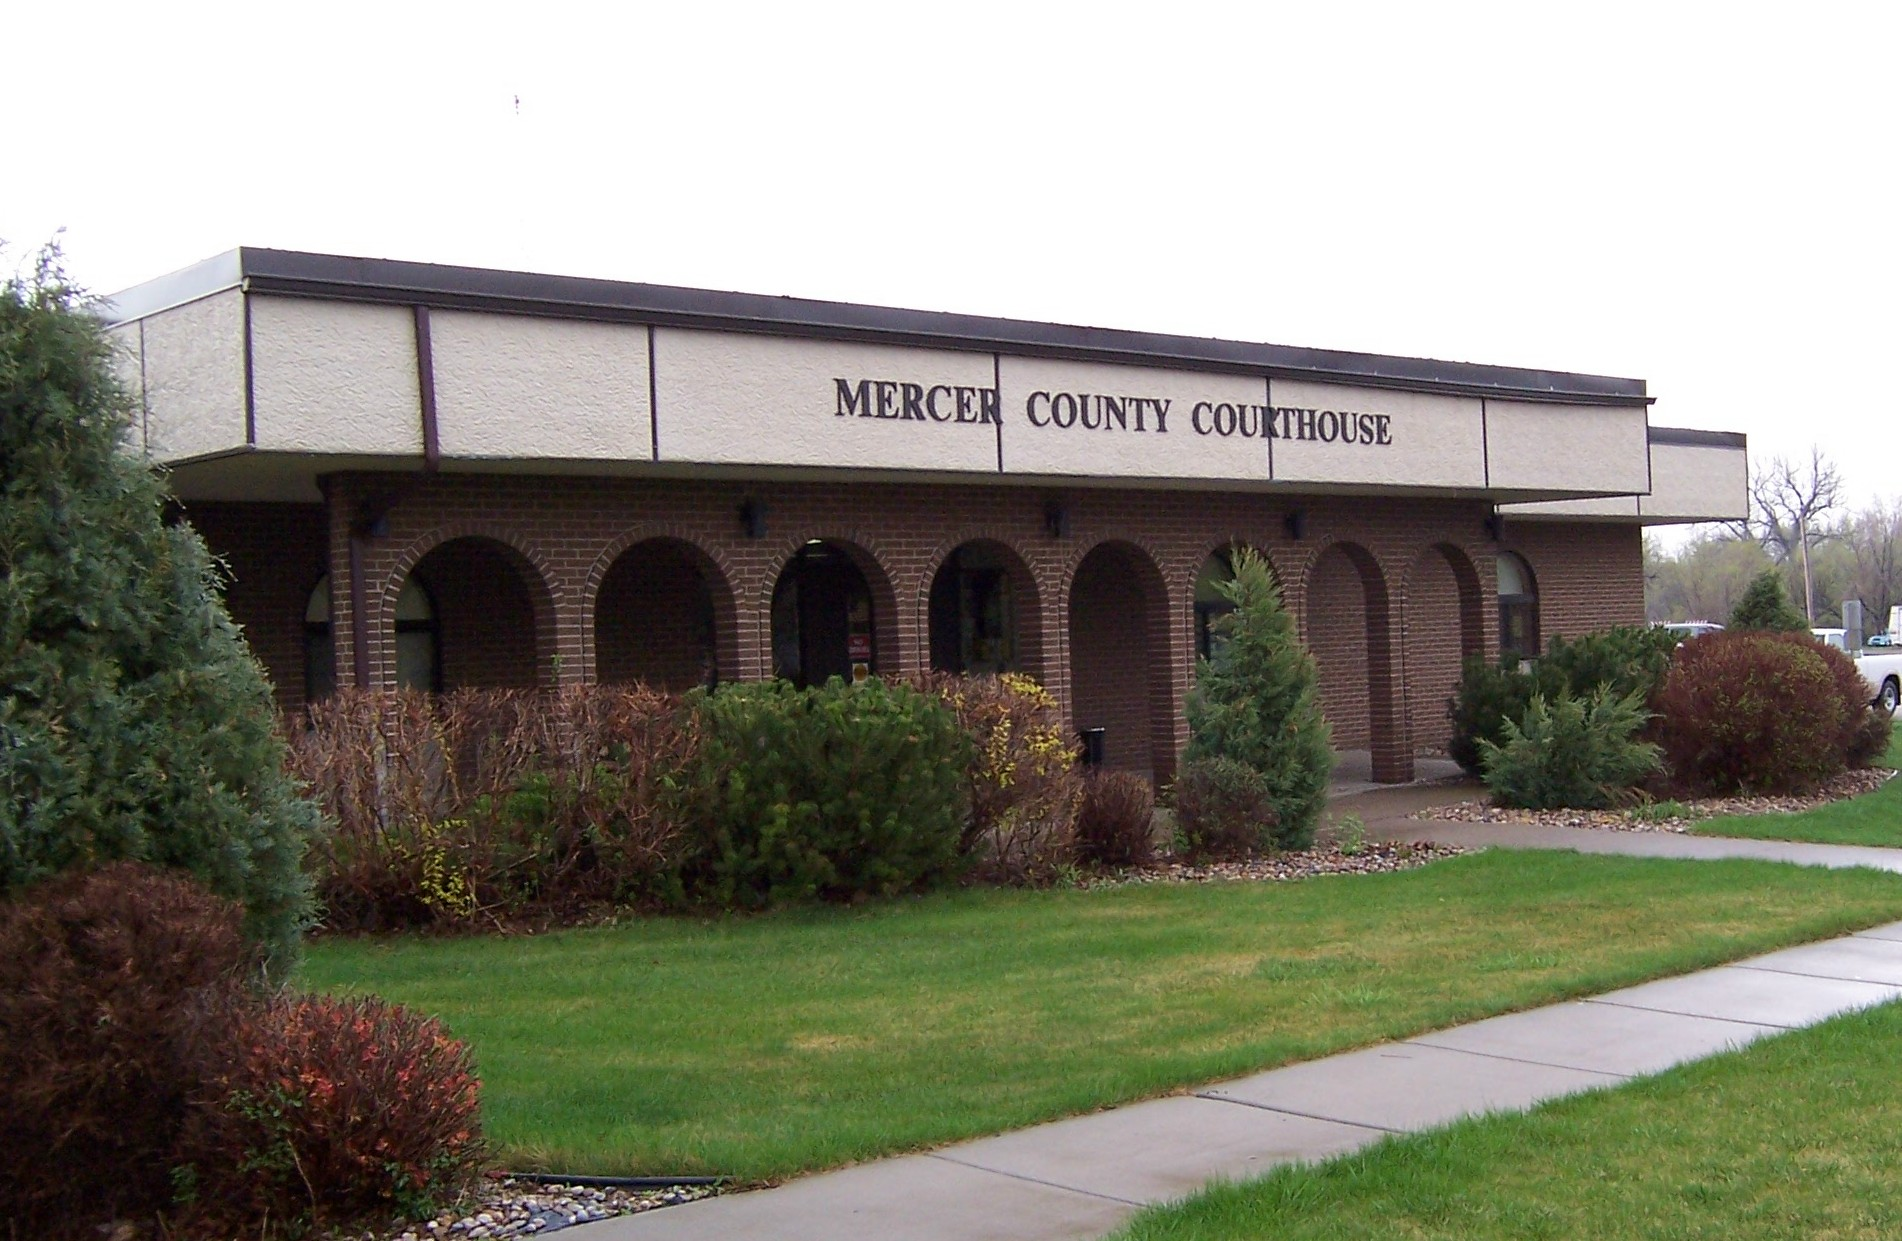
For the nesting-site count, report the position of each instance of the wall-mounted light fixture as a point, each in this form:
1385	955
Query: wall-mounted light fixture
1295	522
753	519
1495	525
1056	519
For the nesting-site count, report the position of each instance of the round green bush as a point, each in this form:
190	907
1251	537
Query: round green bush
834	792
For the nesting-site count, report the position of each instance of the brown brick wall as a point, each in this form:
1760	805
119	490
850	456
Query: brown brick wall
275	554
653	620
1589	577
1444	623
1384	677
485	614
1116	661
1337	634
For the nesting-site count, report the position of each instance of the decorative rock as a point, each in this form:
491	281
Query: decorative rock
510	1208
1646	819
1372	858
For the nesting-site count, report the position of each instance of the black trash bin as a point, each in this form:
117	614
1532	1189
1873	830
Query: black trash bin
1093	744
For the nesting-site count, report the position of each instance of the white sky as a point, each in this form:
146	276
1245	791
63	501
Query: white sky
1704	196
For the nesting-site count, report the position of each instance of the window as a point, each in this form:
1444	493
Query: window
1210	604
416	664
1518	608
320	654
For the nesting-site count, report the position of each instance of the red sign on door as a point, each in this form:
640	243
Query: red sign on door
858	646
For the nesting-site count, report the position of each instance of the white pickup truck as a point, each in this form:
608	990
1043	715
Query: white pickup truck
1879	661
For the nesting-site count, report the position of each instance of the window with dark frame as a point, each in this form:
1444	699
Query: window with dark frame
1518	608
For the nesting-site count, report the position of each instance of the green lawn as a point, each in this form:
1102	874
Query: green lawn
1799	1136
1875	819
760	1047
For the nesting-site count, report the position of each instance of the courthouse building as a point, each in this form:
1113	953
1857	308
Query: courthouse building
442	477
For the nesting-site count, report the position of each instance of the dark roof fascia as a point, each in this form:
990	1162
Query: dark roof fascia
1684	437
297	273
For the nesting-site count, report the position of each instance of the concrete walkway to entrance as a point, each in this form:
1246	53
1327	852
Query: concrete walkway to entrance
1080	1178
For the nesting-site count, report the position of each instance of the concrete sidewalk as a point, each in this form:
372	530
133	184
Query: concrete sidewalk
1631	844
1082	1177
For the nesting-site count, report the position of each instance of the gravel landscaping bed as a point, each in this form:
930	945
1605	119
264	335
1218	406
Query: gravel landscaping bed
1372	858
512	1208
1667	816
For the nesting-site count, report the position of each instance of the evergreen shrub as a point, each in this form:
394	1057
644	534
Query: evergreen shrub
834	792
1765	606
1759	712
1023	783
331	1112
1116	825
1256	702
1571	752
1627	660
134	724
107	982
1226	810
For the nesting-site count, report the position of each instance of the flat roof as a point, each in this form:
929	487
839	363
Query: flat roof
341	278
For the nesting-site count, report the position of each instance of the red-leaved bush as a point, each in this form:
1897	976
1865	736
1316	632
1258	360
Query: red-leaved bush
1115	825
1223	809
330	1111
1761	712
107	980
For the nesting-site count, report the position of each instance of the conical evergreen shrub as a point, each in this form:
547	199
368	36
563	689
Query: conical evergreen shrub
1766	605
1256	702
134	722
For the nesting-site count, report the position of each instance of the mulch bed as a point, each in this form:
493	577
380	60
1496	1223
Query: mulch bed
1665	816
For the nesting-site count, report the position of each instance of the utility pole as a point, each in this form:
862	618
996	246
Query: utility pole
1809	587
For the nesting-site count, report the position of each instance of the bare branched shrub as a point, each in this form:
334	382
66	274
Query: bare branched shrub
483	804
1115	825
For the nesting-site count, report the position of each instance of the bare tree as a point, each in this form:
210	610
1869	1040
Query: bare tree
1789	500
1874	535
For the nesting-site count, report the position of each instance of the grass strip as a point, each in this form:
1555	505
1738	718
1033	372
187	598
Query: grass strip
1796	1136
761	1047
1873	819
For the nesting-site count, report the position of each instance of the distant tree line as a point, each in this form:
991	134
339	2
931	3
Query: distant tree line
1799	525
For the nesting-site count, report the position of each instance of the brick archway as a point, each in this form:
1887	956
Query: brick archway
1025	609
661	611
1122	658
494	612
1350	630
1444	626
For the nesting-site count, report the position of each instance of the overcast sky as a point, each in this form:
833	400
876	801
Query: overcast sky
1702	196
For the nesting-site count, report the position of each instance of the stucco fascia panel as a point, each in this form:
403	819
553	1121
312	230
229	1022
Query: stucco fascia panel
126	361
1438	441
515	387
335	377
1167	448
1576	448
194	378
1598	508
1697	483
729	398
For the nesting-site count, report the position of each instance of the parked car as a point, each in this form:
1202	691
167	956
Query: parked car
1686	630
